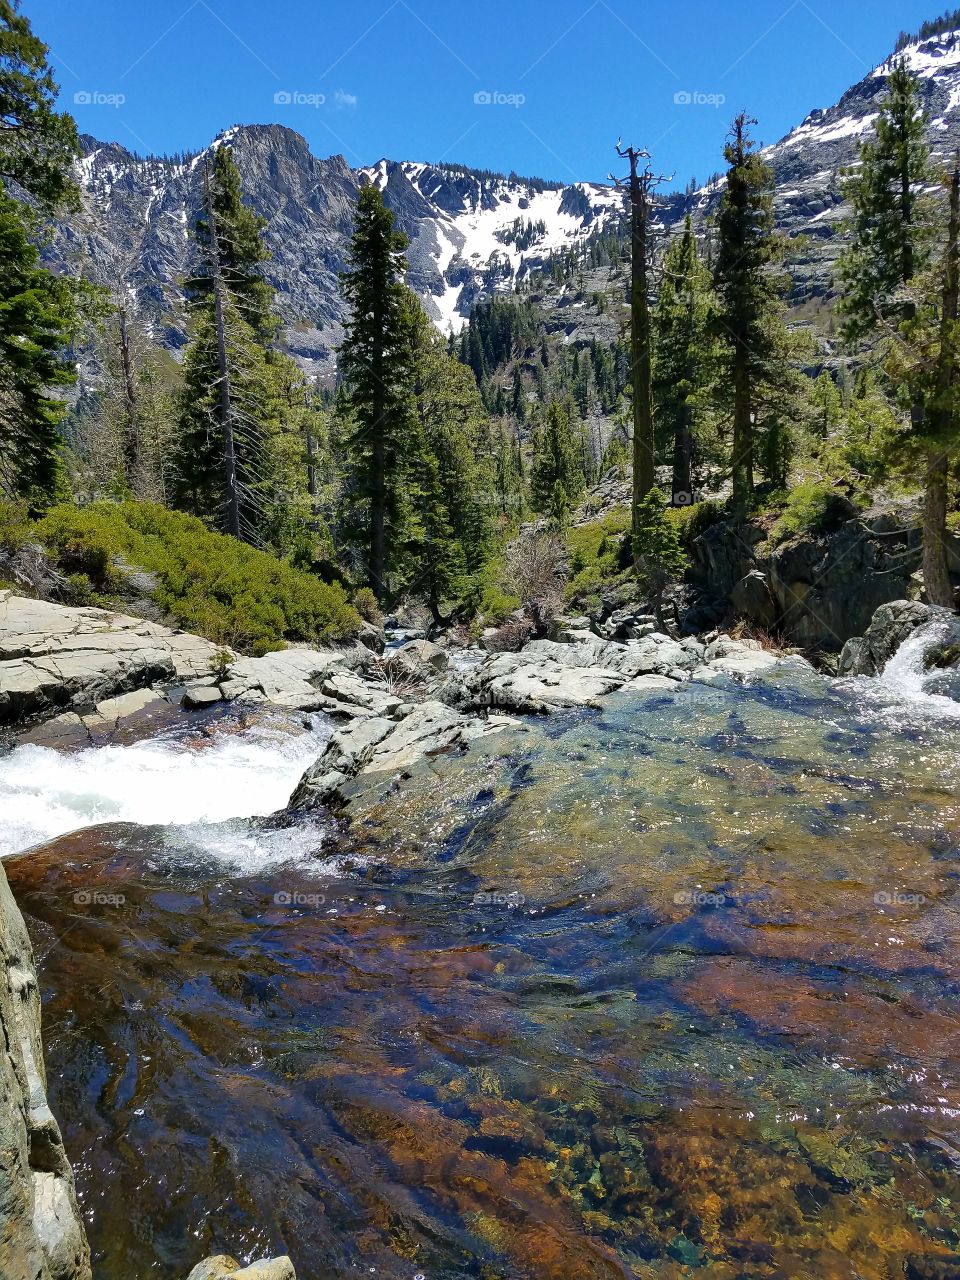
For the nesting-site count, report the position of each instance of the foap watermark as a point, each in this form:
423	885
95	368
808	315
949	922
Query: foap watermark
496	98
94	898
484	899
298	899
897	898
698	898
298	98
695	98
97	98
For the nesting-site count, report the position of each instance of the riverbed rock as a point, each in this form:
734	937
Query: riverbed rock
380	746
288	678
198	696
53	657
890	626
41	1233
425	652
223	1265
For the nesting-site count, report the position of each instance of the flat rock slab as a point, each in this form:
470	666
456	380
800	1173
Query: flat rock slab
52	656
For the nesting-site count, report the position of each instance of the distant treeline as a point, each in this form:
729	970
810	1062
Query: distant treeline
949	22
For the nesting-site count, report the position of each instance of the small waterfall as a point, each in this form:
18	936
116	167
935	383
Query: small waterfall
163	781
907	678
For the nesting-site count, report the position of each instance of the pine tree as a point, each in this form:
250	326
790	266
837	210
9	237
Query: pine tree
639	186
748	321
241	251
827	403
657	550
37	319
223	412
452	477
557	460
39	312
683	352
123	433
37	144
884	282
890	235
376	363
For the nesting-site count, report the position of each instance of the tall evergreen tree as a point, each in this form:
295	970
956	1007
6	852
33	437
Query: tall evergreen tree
891	238
639	186
556	470
37	143
884	279
38	311
37	319
452	477
747	322
682	352
377	366
244	406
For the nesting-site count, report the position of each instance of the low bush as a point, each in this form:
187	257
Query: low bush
811	508
365	603
210	584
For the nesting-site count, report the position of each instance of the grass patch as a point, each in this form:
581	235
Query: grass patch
596	555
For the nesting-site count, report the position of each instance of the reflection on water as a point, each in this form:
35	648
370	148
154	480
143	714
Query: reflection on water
667	990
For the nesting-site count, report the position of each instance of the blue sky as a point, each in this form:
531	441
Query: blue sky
401	78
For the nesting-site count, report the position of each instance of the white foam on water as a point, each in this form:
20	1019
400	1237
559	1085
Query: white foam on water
251	773
901	688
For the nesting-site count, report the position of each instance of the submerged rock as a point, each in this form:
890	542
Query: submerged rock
223	1265
381	746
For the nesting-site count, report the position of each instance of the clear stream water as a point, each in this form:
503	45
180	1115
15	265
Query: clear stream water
664	990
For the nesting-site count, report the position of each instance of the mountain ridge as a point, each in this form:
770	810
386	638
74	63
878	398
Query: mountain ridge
472	232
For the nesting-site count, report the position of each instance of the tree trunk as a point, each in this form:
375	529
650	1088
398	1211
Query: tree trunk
742	429
378	545
131	441
225	408
936	573
936	576
644	476
682	458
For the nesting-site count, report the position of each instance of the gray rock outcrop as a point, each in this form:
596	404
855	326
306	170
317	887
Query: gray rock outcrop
891	625
41	1233
52	656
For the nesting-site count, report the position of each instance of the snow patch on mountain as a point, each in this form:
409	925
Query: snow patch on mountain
926	58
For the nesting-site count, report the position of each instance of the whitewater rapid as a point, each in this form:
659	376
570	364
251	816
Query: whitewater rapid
165	781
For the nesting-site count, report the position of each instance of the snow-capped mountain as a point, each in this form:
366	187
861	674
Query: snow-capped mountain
809	161
471	233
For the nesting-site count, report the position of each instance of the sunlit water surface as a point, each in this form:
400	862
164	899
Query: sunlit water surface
665	990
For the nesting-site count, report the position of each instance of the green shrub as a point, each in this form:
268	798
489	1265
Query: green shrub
595	553
496	605
811	508
365	603
210	584
14	526
694	520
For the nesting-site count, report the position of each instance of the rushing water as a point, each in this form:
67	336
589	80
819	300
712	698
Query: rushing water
665	990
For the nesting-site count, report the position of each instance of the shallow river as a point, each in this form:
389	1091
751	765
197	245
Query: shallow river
664	990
